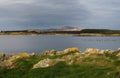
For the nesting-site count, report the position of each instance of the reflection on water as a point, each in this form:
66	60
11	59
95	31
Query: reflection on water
41	43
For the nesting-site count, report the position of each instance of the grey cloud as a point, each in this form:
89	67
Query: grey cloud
105	13
44	12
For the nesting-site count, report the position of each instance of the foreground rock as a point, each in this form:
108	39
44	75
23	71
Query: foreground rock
55	52
44	63
7	60
92	51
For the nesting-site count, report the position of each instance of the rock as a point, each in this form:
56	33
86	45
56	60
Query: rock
54	52
73	49
50	52
70	62
32	54
92	51
24	55
8	60
102	52
58	60
67	57
1	55
118	55
70	59
118	49
8	63
4	57
108	51
44	63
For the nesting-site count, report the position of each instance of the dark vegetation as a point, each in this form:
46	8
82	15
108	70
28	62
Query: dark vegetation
38	32
101	31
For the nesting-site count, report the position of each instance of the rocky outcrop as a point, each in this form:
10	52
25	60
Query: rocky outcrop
117	52
98	51
7	60
44	63
23	55
73	49
51	52
55	52
4	56
92	51
52	57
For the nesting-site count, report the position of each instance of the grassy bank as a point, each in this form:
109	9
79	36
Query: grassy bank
84	65
61	70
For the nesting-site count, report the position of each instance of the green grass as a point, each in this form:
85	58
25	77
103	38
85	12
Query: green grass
90	67
61	70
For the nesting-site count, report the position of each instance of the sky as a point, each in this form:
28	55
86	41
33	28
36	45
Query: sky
39	14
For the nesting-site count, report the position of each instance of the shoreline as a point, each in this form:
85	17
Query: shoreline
78	35
105	63
67	49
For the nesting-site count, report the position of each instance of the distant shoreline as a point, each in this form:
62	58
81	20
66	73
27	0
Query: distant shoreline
67	32
78	35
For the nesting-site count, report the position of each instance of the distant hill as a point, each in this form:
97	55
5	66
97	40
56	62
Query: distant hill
100	31
70	28
67	30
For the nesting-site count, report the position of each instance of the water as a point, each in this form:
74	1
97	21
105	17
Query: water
13	44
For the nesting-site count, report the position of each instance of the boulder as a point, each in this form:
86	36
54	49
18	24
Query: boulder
102	52
92	51
9	63
117	52
8	60
44	63
118	55
49	52
6	64
118	49
73	49
24	55
108	51
32	54
4	57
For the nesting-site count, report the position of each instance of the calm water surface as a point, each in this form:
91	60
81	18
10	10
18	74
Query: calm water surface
14	44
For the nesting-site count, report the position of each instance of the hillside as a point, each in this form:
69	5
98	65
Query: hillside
74	31
70	63
101	31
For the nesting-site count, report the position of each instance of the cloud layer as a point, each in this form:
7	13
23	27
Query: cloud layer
28	14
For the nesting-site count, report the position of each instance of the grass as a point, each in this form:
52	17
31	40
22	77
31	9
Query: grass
61	70
90	67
